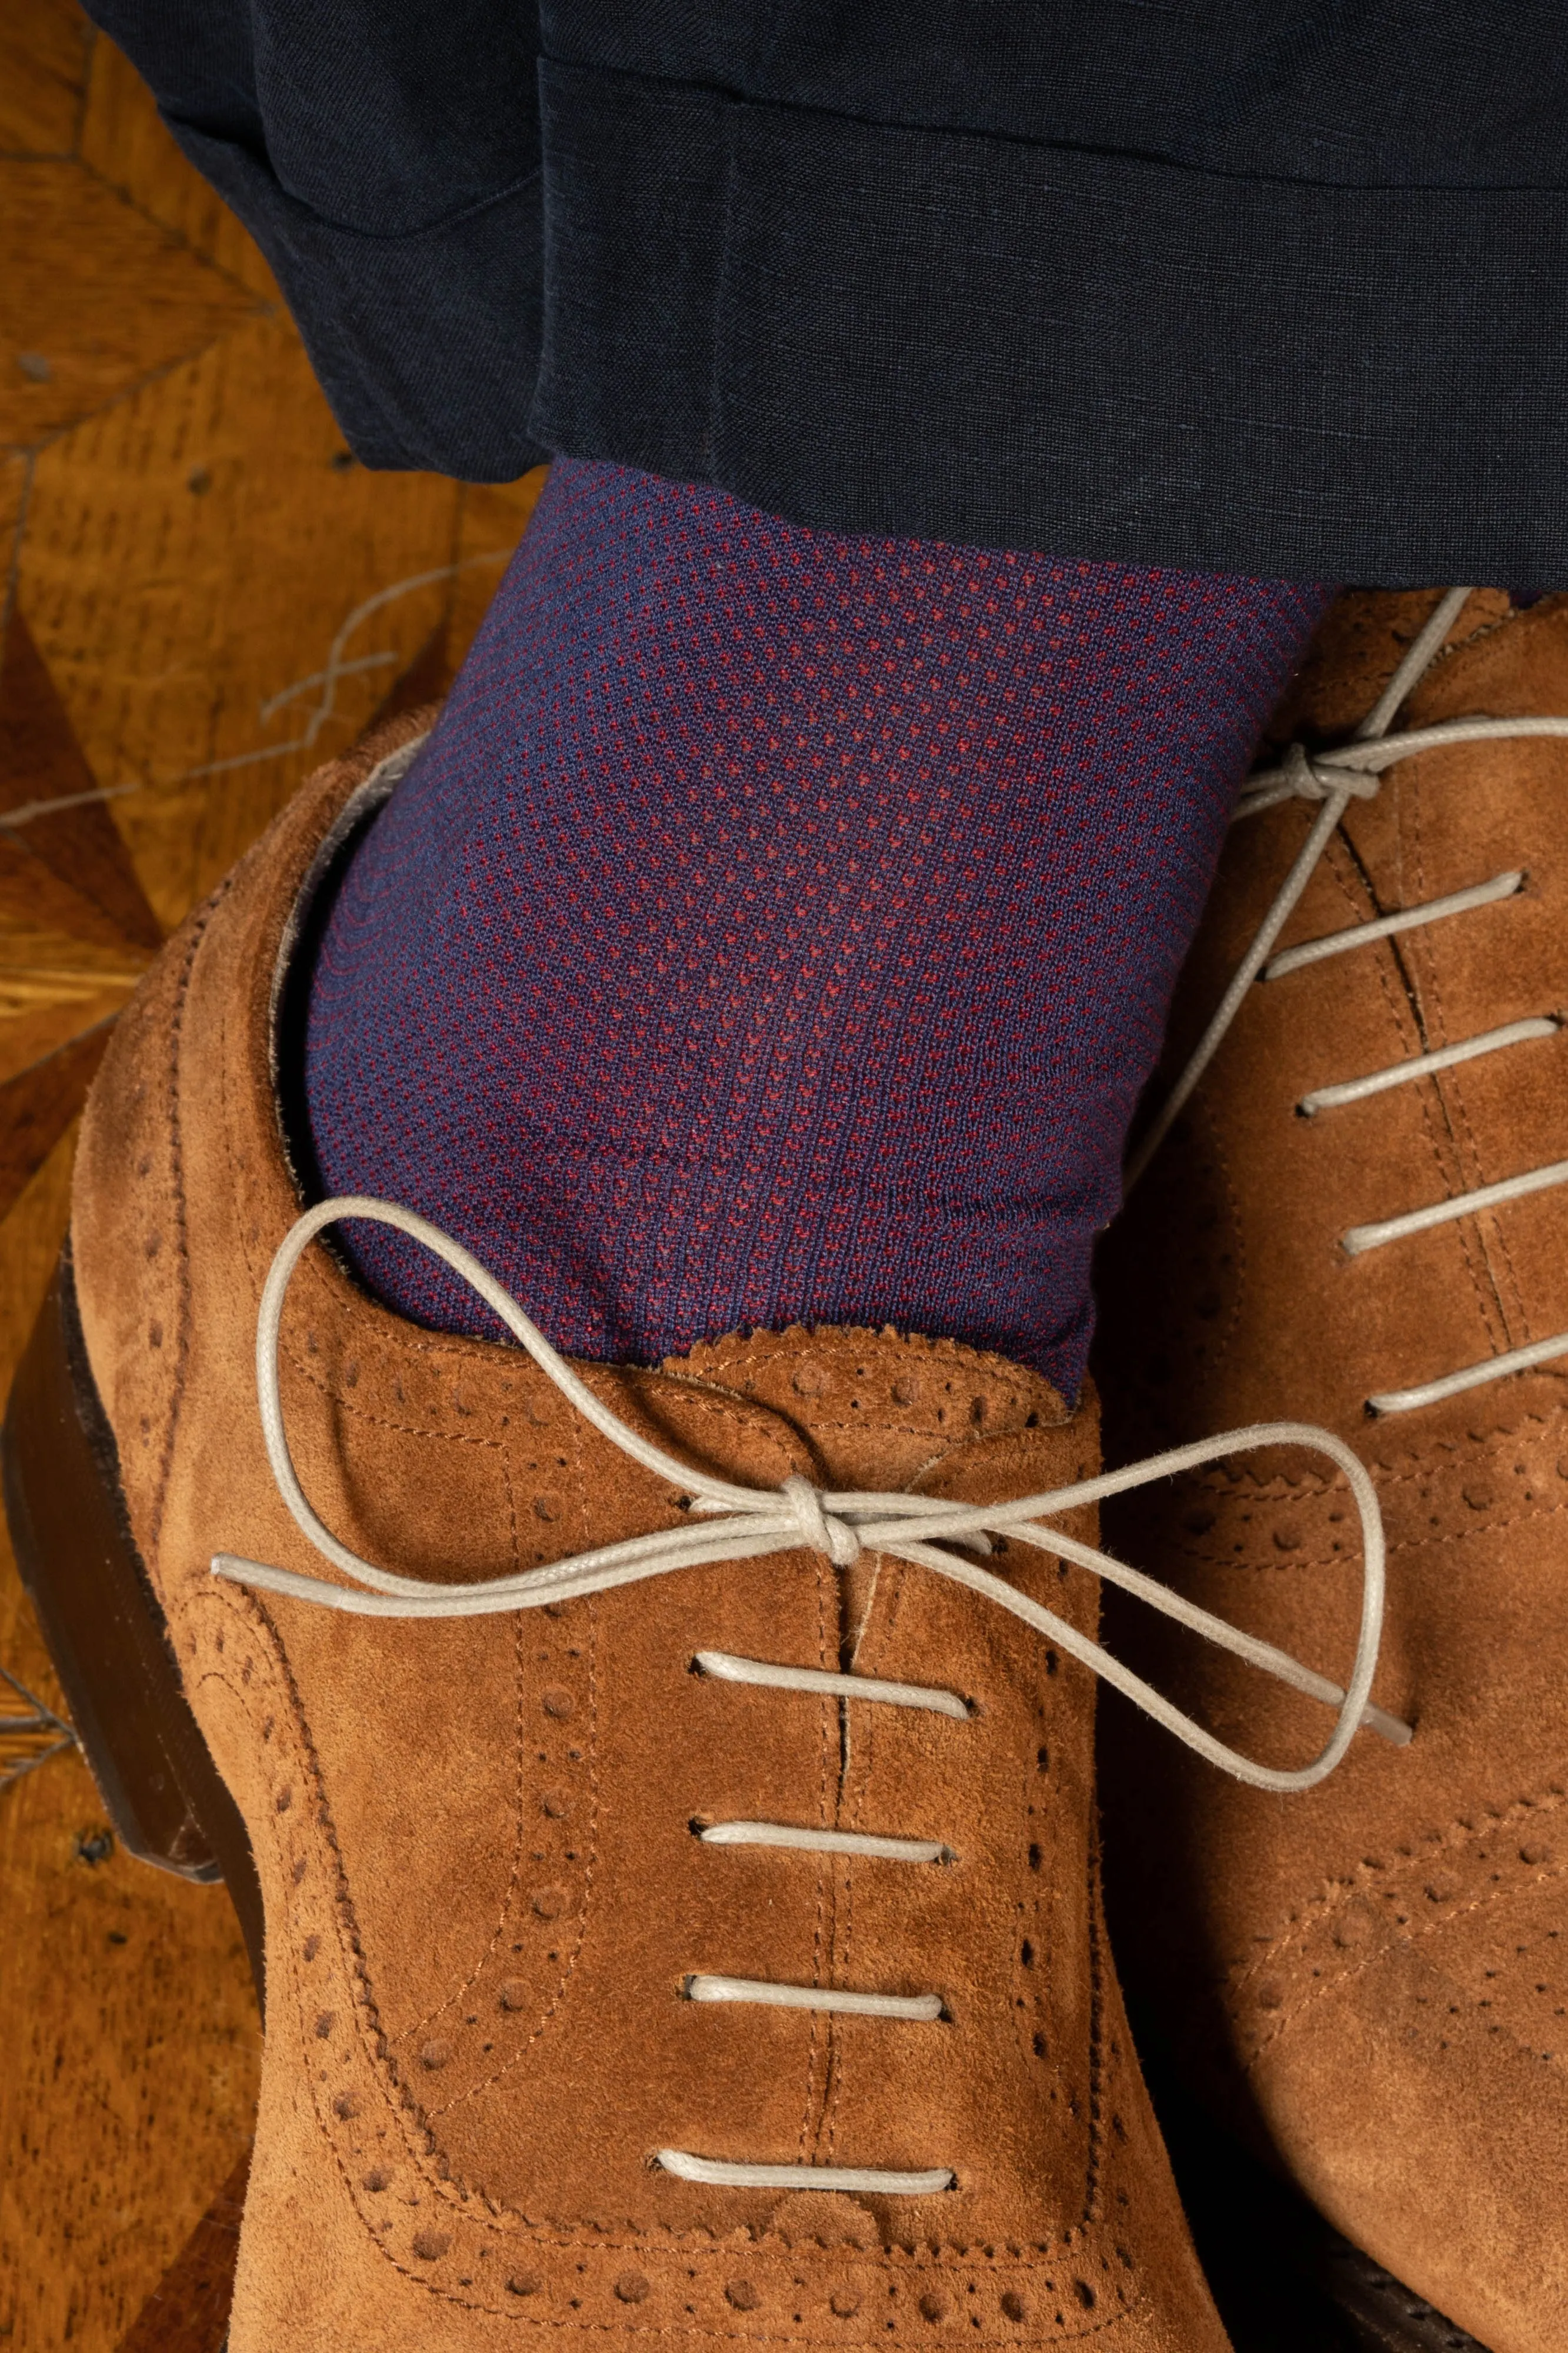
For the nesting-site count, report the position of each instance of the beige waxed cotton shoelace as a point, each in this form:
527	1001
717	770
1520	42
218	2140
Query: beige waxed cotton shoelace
729	1524
1354	772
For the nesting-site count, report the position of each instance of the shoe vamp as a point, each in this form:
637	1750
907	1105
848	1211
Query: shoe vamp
1417	2088
507	1810
521	2102
1373	1976
525	1923
1473	1657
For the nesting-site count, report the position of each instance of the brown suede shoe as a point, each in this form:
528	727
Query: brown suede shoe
1362	1216
665	1961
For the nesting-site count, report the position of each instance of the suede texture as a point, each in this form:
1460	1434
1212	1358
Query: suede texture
1372	1978
476	1837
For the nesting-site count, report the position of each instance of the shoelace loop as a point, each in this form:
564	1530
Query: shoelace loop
726	1522
1311	777
819	1532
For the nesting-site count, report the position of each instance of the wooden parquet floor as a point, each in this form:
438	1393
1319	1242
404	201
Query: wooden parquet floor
203	596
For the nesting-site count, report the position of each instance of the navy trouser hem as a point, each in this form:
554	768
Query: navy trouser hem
931	334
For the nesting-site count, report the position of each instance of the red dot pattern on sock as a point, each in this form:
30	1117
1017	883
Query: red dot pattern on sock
781	926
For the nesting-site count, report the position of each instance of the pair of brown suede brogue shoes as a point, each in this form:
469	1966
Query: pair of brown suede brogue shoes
663	1803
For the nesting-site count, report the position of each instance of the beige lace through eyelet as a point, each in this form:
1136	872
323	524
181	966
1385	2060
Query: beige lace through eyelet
1334	778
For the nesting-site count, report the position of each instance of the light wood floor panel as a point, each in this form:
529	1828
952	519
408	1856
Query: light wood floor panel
202	596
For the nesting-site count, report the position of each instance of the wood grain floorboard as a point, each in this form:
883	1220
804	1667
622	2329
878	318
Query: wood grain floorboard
202	597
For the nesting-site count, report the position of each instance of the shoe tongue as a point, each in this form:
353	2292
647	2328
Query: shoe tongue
878	1409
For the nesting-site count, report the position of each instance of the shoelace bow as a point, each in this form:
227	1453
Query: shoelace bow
729	1522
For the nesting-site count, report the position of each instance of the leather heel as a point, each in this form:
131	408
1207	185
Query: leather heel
102	1623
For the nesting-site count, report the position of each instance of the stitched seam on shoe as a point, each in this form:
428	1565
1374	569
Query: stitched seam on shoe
1030	1997
1489	1231
841	1345
1428	1541
182	1249
342	1910
1388	1471
1323	1986
1097	1958
1449	654
901	1584
1423	949
349	1956
855	1339
1280	1951
514	1878
970	1436
719	1409
1458	1834
945	1452
334	1395
1405	1017
413	1341
552	2001
1483	1525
